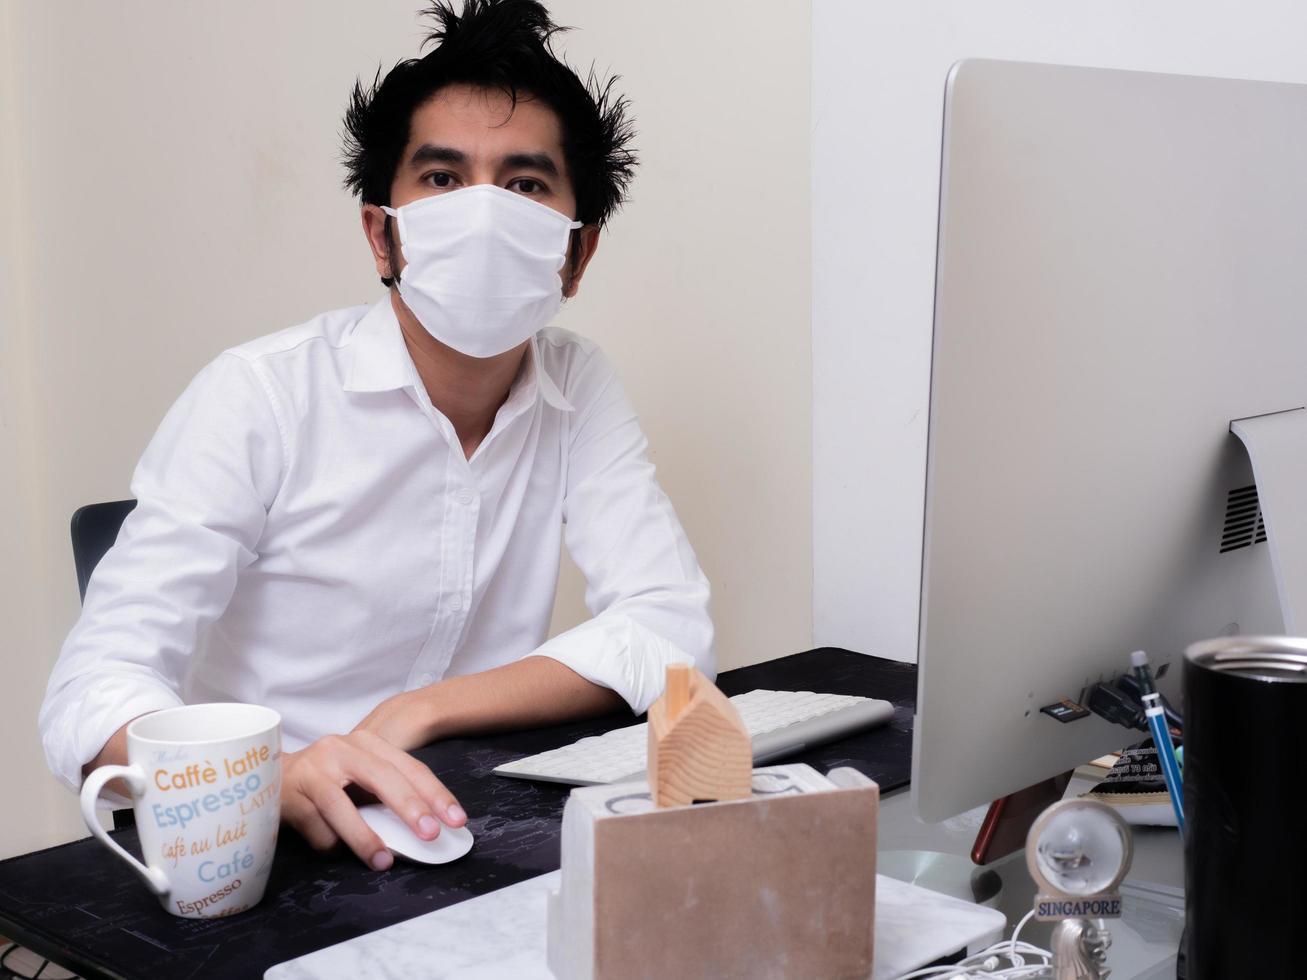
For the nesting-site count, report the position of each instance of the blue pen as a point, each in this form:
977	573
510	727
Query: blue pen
1161	734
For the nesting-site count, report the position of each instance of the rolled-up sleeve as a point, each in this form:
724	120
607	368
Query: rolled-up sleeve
203	488
644	587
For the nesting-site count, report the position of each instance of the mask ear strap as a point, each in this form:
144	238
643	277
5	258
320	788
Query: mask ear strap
399	224
573	243
399	221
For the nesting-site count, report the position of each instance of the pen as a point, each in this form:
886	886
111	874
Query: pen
1161	734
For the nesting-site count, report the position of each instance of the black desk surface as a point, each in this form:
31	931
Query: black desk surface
80	905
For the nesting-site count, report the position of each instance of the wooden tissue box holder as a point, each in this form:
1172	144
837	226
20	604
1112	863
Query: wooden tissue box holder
779	884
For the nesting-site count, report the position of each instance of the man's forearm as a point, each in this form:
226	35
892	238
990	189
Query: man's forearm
114	752
528	693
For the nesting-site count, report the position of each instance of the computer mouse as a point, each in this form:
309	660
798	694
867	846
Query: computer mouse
450	845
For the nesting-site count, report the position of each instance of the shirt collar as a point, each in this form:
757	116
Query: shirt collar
549	391
378	360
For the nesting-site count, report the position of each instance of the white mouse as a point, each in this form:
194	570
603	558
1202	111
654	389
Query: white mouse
450	845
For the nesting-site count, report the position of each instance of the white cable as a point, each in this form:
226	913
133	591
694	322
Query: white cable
966	970
985	964
1012	946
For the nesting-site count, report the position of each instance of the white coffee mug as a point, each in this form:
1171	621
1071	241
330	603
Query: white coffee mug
206	784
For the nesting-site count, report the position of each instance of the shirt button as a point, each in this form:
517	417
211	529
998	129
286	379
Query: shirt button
466	496
456	603
425	679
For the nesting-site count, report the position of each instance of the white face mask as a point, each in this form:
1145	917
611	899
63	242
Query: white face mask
482	272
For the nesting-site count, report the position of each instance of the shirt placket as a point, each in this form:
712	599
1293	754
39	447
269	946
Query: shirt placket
453	578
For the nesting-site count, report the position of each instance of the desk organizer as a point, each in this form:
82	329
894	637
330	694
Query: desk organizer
780	882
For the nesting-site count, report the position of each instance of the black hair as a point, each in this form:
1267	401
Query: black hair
505	45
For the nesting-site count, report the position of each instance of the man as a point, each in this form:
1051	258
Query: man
357	521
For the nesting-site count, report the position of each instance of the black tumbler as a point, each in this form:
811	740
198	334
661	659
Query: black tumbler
1245	847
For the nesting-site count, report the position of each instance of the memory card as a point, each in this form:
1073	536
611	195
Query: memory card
1065	710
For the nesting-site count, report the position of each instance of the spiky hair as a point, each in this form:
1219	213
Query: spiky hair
505	45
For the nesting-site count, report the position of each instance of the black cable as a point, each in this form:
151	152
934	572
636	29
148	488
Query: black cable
1119	701
1110	702
1127	683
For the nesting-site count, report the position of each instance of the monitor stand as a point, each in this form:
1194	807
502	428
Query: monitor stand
1277	446
948	874
972	878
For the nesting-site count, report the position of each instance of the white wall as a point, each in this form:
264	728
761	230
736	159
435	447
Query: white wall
170	182
878	82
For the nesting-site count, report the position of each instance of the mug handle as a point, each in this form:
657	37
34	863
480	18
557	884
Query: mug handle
135	779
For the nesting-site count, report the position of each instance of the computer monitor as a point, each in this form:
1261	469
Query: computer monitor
1121	272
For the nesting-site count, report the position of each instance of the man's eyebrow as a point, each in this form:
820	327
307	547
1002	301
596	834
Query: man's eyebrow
532	161
430	153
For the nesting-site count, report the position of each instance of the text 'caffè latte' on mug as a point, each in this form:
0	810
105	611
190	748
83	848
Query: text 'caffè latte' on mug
196	774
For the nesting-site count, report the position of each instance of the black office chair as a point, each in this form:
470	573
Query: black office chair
95	528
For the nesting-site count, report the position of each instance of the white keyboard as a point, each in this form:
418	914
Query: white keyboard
779	722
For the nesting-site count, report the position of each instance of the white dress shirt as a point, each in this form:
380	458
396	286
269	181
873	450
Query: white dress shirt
310	536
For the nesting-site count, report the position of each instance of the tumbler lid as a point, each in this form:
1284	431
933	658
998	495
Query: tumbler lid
1263	658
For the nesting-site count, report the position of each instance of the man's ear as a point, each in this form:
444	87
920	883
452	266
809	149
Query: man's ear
374	227
585	242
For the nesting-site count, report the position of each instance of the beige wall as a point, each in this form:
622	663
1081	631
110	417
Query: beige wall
170	181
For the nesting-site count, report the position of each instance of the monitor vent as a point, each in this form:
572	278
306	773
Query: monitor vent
1244	526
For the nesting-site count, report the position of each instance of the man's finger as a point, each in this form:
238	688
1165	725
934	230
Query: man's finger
344	820
373	764
303	815
427	784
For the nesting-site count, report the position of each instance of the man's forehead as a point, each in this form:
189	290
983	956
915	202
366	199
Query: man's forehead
485	122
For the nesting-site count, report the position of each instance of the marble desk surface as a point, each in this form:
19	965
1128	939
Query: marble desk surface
502	934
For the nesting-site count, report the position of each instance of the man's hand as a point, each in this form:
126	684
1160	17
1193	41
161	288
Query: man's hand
314	801
406	720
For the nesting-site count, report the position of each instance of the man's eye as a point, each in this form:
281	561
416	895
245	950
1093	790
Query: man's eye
526	185
440	179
